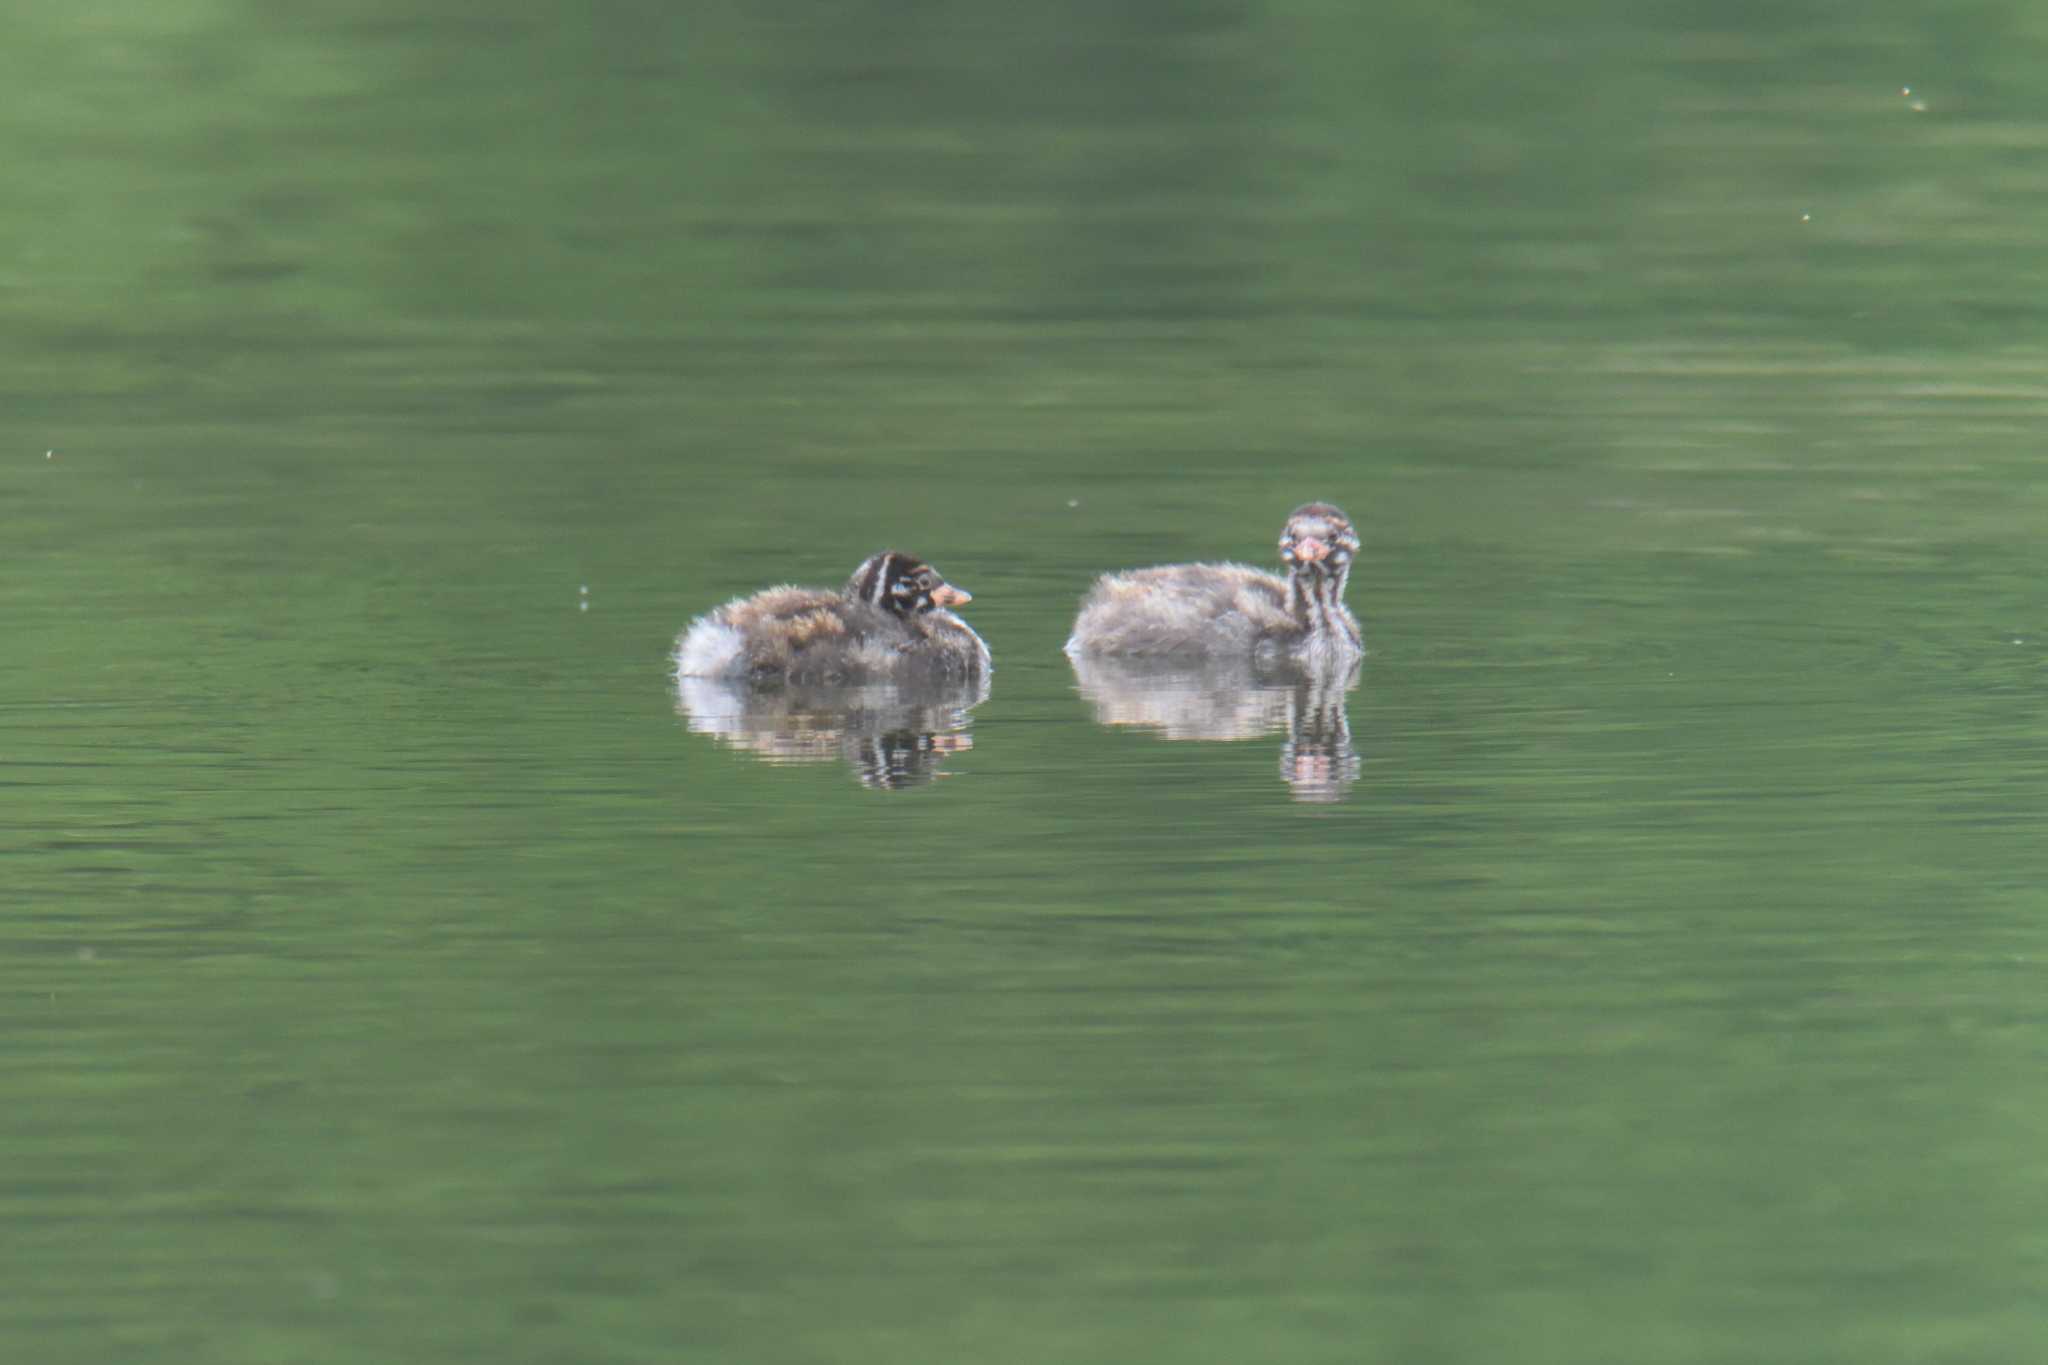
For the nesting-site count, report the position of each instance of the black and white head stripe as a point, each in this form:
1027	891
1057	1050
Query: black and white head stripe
893	581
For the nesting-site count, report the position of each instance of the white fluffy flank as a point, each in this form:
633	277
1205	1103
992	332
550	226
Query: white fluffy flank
709	649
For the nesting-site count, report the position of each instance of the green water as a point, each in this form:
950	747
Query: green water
390	972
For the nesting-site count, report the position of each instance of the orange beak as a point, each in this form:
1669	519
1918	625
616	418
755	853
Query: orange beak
946	595
1309	550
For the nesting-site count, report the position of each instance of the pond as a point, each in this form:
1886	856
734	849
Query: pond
1639	958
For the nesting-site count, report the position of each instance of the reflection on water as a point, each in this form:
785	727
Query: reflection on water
891	734
1235	701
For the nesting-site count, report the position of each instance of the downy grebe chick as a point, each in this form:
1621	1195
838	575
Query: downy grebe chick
891	620
1216	611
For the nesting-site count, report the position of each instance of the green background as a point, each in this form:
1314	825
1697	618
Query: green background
387	972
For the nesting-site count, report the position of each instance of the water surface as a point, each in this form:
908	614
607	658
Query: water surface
393	969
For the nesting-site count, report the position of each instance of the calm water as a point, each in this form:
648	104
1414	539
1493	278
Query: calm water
1644	962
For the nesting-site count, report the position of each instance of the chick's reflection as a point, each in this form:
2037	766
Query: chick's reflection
891	734
1222	701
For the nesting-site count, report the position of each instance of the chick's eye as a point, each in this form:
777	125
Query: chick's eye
927	581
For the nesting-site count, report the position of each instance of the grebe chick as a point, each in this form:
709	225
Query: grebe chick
890	621
1217	611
